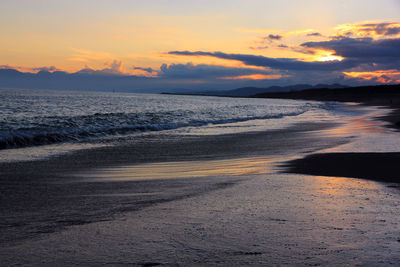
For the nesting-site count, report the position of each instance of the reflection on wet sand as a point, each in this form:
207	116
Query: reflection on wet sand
339	186
364	125
184	169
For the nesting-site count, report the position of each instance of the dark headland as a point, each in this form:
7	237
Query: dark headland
385	95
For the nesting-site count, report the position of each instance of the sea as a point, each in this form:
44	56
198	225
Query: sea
37	124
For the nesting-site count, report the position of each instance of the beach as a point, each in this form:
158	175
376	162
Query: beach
242	198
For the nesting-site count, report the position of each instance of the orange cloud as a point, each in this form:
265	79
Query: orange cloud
144	73
369	29
325	55
255	77
382	76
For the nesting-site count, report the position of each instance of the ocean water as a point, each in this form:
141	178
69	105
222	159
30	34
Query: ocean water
40	123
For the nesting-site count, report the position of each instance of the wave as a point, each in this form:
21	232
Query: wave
103	125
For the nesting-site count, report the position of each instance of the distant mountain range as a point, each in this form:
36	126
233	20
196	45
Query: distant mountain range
250	91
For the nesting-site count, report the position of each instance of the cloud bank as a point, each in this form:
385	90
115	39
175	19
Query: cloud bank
275	63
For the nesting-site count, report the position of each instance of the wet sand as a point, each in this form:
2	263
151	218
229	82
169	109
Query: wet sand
220	200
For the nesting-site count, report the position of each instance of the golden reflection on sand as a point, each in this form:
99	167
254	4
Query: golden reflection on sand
184	169
340	186
363	125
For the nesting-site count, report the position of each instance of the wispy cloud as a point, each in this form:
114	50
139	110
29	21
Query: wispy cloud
381	76
317	34
273	37
86	56
382	29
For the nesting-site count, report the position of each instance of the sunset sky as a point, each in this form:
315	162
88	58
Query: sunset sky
218	43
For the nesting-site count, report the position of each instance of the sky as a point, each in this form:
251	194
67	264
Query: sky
204	44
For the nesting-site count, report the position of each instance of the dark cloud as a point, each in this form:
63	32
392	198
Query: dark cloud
150	70
48	69
273	37
262	41
314	34
303	50
366	47
277	63
202	71
385	29
259	47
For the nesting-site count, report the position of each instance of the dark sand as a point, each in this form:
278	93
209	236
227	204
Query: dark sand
382	167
